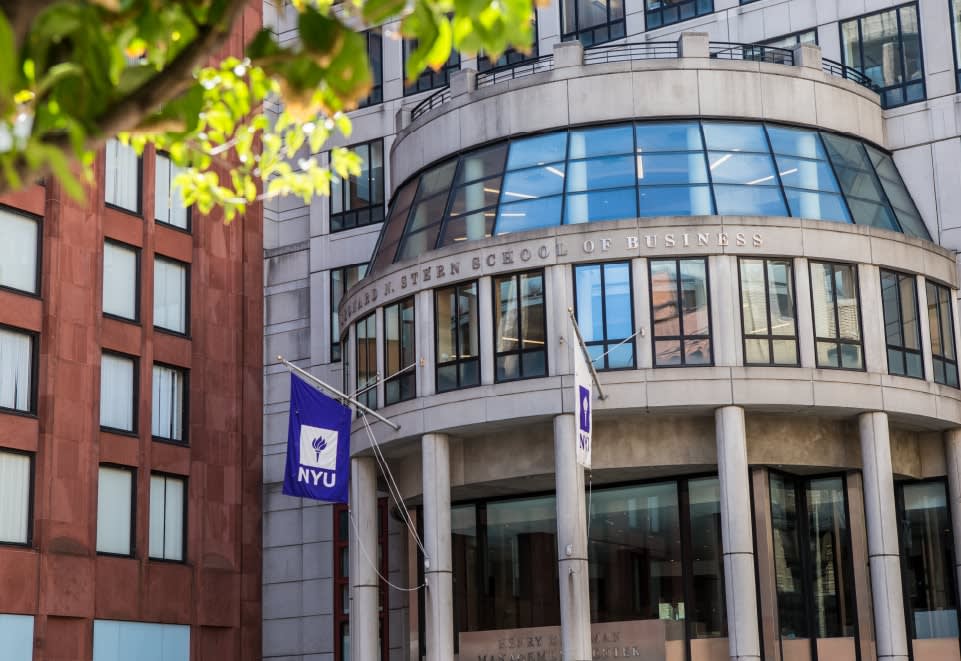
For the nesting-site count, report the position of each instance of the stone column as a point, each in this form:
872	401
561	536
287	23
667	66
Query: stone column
364	584
572	565
438	569
737	538
882	524
952	452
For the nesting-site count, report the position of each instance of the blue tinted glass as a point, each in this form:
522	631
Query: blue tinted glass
740	137
602	141
533	182
845	151
676	201
671	169
600	205
859	183
796	142
620	357
604	172
737	168
617	296
528	215
682	136
801	173
537	150
872	214
437	179
749	201
816	206
590	311
16	632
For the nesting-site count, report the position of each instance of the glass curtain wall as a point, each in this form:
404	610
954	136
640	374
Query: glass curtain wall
813	567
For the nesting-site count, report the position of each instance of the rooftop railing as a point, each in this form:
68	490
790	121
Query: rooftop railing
723	50
649	50
843	71
512	71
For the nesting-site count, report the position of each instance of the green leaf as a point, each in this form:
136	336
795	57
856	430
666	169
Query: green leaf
8	59
376	12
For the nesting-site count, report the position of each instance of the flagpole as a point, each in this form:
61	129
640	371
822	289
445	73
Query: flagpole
587	355
329	388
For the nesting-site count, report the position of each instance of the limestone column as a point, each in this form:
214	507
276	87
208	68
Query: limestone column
364	584
952	451
572	565
438	570
737	538
882	524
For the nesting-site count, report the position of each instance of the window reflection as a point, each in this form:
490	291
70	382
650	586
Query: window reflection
767	312
681	312
604	309
902	329
366	341
399	351
837	316
519	322
592	22
456	332
941	325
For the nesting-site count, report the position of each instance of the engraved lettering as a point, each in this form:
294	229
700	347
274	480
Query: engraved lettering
722	239
589	246
686	240
739	239
403	282
475	263
491	259
413	278
440	270
758	240
454	268
703	239
525	255
632	243
508	257
543	252
650	240
605	245
669	241
561	249
426	277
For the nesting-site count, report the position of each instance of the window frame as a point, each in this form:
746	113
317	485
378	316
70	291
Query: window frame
369	209
439	78
31	493
368	391
132	524
138	212
519	352
919	352
31	410
682	338
189	210
186	267
138	278
578	31
769	338
376	94
860	65
948	362
410	374
607	343
38	270
660	12
457	362
837	323
135	395
185	405
336	345
185	481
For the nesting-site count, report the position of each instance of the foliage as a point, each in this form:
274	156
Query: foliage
73	74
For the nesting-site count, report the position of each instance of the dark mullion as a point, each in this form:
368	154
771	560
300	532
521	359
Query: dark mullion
687	561
707	166
780	184
603	269
767	309
837	313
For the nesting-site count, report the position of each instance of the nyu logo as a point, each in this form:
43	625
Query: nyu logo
318	456
584	395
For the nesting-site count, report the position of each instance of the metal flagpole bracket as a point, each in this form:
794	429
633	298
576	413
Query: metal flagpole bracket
336	393
587	355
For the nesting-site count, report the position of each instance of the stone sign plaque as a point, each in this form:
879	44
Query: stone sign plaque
644	640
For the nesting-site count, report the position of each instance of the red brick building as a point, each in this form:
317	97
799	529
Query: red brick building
130	402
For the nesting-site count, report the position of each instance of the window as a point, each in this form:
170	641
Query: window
16	497
359	200
118	392
837	316
169	206
168	517
511	56
122	178
902	325
366	343
742	170
592	22
811	189
956	34
927	559
170	295
790	40
681	312
375	57
341	280
812	558
400	352
115	520
767	312
429	79
19	251
941	323
672	174
666	12
169	403
18	360
16	632
886	47
114	640
604	307
520	326
121	278
600	180
456	333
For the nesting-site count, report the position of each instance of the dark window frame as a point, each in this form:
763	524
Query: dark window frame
186	267
133	508
32	491
770	338
336	344
185	480
135	394
362	216
948	362
38	271
408	379
902	350
608	343
189	228
609	30
185	405
661	11
519	352
456	362
366	394
797	34
31	410
683	338
138	279
138	212
376	94
954	43
837	324
511	56
428	79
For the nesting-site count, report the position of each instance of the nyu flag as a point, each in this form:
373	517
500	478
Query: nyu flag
318	445
583	405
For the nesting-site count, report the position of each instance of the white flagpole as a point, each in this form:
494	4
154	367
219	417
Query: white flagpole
587	355
332	390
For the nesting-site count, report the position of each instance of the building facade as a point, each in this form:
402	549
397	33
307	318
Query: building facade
748	208
130	420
